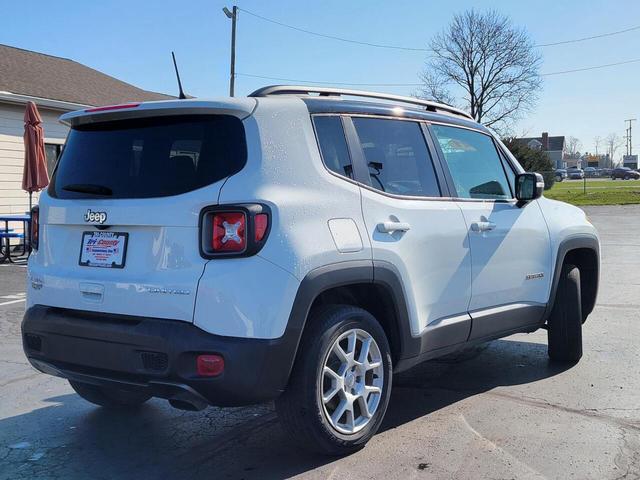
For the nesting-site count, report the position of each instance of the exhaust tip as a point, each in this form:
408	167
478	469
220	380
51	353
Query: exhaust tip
189	405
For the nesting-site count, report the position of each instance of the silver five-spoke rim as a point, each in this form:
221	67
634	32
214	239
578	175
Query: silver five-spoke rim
352	381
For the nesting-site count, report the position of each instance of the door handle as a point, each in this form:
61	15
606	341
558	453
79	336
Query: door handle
390	227
482	226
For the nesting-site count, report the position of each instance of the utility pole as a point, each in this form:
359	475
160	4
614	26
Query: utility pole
626	139
630	148
233	15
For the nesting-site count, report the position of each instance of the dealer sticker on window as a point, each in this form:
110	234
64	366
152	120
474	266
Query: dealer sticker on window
103	249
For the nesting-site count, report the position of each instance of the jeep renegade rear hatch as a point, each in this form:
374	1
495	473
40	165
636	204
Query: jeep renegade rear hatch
119	225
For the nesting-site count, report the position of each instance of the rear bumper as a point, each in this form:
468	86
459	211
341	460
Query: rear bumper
155	355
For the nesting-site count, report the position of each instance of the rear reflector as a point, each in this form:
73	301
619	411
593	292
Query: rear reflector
229	232
210	365
112	107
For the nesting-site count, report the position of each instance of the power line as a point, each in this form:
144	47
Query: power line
417	49
333	37
591	68
330	83
316	82
575	40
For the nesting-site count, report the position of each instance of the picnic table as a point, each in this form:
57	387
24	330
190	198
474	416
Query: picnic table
7	233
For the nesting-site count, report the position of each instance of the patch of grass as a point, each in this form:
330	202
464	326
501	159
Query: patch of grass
598	192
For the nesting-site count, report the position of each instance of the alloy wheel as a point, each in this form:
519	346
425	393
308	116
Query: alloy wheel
352	381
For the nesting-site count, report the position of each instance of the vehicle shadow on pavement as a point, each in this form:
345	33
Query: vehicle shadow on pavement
72	439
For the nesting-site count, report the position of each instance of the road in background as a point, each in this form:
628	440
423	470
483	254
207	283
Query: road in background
497	411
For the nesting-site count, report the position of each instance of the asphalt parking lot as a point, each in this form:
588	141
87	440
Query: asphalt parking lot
497	411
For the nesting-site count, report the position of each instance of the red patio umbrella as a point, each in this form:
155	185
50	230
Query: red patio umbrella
34	175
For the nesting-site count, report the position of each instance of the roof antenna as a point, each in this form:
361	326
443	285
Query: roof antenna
181	96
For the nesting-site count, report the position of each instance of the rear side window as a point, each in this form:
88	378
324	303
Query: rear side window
474	163
397	157
333	145
151	157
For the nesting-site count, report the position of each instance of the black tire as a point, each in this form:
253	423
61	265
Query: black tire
300	407
627	177
109	397
565	323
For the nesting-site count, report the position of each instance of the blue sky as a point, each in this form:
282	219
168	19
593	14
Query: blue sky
132	40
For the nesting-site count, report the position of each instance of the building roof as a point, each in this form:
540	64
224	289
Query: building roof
556	144
25	72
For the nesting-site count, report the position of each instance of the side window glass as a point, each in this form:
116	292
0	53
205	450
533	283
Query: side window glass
333	145
396	154
474	163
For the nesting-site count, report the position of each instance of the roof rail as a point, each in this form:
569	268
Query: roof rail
336	92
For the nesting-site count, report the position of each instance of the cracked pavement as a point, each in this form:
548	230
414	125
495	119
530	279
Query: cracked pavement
499	410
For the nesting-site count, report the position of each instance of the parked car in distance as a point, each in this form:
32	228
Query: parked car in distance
575	173
293	245
624	173
561	174
590	172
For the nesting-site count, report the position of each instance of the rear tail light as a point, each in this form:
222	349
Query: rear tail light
34	233
233	230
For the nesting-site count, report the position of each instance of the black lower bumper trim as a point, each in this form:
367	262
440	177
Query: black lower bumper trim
114	350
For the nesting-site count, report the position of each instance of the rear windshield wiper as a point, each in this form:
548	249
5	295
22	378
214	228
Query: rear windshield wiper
88	188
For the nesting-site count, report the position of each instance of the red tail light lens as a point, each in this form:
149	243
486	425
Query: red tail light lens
229	232
34	233
260	224
210	365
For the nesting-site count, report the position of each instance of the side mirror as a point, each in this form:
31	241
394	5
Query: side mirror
529	186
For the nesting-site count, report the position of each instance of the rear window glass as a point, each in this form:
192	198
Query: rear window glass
333	145
151	157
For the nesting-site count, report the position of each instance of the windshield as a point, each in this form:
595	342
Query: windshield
150	157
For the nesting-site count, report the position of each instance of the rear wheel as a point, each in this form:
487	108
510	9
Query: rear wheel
340	385
565	323
109	397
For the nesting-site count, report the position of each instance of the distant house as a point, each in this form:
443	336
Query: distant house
601	160
57	85
554	146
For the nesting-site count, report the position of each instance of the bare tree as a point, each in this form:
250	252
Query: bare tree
597	140
486	62
573	146
613	143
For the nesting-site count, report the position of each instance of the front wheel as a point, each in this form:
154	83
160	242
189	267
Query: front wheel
565	323
340	385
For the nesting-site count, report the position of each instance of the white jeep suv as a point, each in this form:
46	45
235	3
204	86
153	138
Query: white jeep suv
299	244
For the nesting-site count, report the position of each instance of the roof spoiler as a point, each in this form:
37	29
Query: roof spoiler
237	107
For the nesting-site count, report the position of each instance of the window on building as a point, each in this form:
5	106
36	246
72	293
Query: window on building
52	152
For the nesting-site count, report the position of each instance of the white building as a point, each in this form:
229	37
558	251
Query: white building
56	85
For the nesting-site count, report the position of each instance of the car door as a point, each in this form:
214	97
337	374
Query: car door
510	245
411	227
